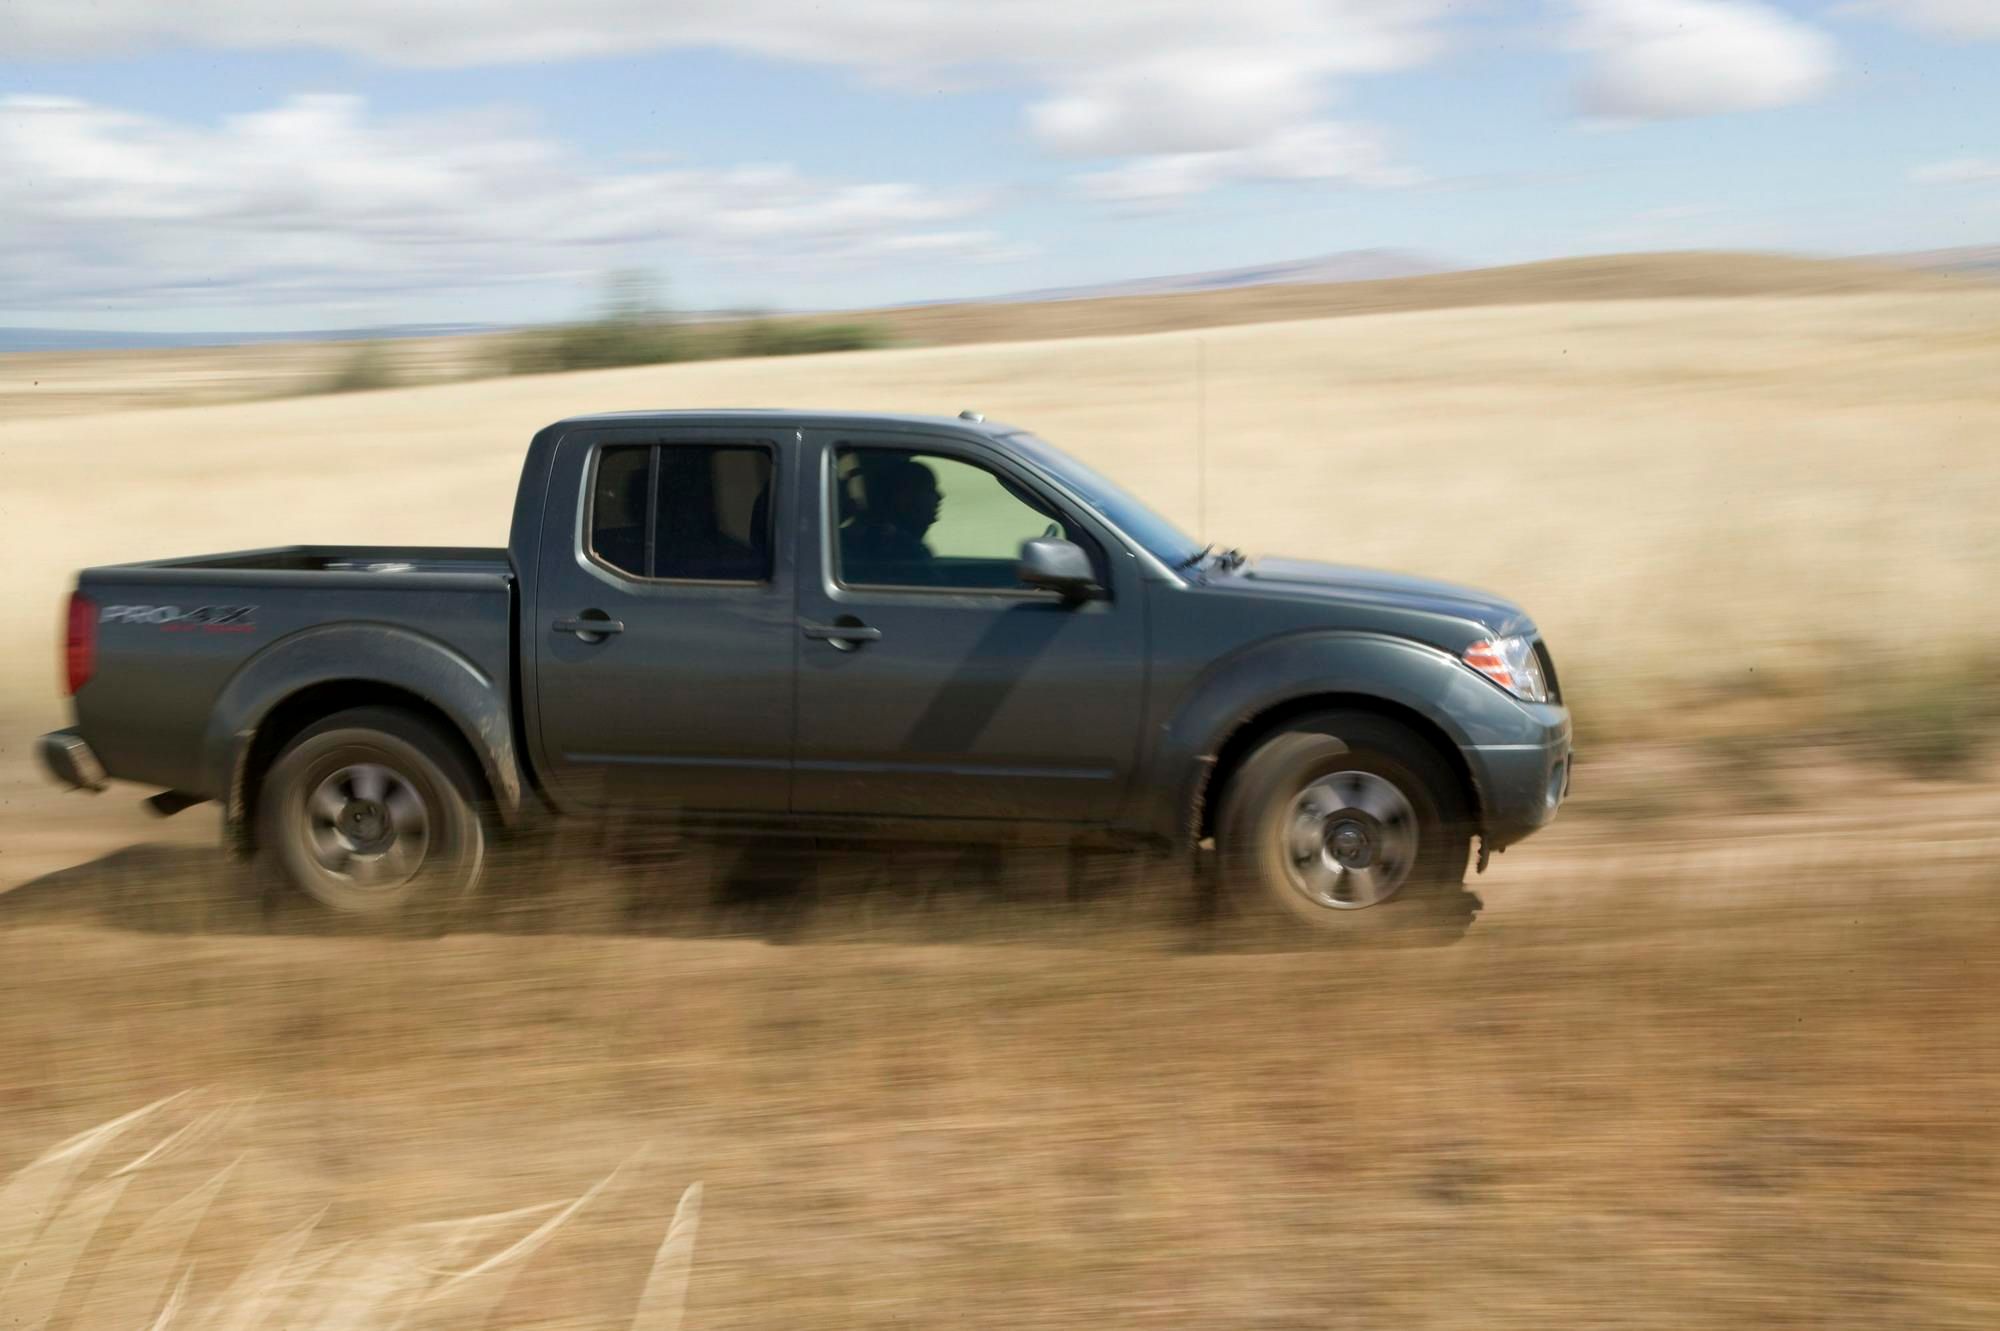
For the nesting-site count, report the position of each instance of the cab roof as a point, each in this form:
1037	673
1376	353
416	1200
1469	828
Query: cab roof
967	423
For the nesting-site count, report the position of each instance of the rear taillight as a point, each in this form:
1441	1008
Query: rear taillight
80	644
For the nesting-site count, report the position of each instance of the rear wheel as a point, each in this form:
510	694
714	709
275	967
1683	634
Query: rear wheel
371	812
1347	822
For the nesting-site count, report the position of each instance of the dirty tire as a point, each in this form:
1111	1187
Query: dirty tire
373	814
1281	787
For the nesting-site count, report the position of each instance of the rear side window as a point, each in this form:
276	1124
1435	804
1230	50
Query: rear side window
691	512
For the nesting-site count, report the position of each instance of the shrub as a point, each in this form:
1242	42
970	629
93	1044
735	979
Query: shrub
770	337
620	340
597	345
1930	722
367	367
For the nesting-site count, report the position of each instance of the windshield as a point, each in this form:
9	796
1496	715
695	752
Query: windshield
1161	538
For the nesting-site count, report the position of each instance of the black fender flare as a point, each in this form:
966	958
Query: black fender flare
1271	675
363	654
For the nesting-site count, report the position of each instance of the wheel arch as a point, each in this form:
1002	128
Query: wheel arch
298	711
1260	726
315	674
1245	697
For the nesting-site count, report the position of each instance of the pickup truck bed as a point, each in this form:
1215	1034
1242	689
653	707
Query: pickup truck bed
290	559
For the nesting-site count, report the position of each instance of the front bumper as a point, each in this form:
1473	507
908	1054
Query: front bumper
70	760
1522	785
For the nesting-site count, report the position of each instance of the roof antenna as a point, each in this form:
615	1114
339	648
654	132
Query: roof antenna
1201	438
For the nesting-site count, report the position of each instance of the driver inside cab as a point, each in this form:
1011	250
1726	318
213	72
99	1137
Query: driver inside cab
884	542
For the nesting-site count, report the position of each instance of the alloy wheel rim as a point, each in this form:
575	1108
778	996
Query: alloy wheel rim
367	825
1349	840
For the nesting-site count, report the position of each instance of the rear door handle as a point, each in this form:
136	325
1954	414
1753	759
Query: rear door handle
589	628
840	635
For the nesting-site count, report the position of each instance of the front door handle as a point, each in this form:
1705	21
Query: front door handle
845	636
591	626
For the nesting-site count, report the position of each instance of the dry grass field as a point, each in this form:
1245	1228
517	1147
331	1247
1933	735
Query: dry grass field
1720	1052
1752	504
1714	1079
90	383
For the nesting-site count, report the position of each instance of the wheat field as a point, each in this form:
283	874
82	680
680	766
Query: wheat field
1685	493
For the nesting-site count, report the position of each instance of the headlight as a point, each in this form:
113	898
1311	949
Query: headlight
1512	664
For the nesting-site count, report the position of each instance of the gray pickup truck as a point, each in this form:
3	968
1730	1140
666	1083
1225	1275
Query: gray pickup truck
829	625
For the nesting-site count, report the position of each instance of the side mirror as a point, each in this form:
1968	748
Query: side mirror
1059	566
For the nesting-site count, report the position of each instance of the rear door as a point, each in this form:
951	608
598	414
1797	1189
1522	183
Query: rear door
931	683
663	622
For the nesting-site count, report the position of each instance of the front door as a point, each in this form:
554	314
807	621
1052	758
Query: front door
663	620
931	683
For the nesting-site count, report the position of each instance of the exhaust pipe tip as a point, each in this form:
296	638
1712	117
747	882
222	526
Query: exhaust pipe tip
170	802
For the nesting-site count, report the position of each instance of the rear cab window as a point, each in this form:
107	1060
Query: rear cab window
683	512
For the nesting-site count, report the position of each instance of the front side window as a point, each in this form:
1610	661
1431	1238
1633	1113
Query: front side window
914	519
691	512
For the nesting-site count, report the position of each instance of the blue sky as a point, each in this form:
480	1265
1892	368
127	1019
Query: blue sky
342	162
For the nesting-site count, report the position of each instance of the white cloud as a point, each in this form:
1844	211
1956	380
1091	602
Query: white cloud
315	199
1322	151
1341	36
1958	171
1184	103
1105	78
1658	59
1972	19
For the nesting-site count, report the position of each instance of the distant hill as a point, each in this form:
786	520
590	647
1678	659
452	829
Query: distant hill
1607	277
108	339
1345	266
1967	261
1348	282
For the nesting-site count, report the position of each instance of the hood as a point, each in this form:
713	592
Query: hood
1372	586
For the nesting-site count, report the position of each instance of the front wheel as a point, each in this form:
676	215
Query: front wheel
1349	823
371	812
